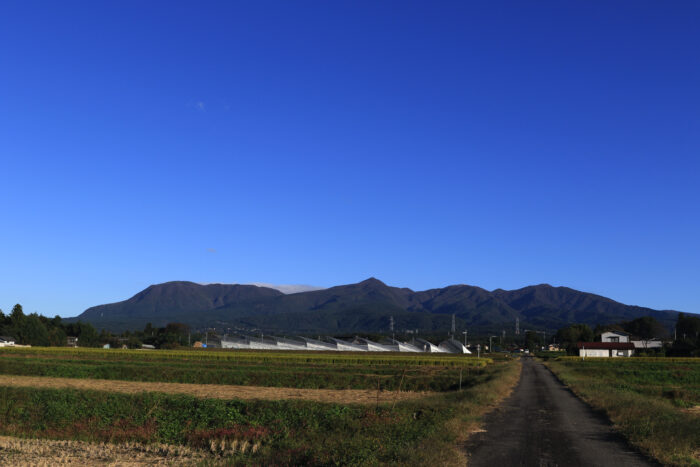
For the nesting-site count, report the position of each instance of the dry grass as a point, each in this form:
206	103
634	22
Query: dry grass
653	423
484	399
215	391
500	392
43	452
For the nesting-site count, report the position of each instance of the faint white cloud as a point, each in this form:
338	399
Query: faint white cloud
199	105
288	288
211	250
284	288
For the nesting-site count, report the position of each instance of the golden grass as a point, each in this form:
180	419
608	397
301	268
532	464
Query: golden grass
215	391
44	452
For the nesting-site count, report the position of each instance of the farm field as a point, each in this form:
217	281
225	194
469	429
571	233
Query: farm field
653	402
215	391
397	415
247	368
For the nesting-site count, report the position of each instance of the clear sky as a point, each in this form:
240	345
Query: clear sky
498	144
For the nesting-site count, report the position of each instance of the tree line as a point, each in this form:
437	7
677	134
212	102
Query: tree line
685	340
37	330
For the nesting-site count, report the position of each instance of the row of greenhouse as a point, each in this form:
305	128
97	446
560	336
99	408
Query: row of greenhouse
332	344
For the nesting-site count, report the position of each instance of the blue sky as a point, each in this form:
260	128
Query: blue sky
498	144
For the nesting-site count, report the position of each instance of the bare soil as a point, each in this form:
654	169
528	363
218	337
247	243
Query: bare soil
215	391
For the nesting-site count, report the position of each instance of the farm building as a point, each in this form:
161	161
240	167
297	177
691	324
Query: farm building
428	346
453	346
605	349
333	344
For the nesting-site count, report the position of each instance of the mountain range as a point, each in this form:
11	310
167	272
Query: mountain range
367	306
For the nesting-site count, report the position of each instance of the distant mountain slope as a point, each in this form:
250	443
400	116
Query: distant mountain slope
363	307
159	303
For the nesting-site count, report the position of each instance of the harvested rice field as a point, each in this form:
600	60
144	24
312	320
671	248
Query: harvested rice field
101	407
216	391
46	452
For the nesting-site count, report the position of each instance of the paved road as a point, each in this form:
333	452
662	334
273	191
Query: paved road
543	424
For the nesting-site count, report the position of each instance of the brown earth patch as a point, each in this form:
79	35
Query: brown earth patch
214	391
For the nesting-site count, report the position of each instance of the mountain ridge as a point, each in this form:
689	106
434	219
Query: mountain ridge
366	306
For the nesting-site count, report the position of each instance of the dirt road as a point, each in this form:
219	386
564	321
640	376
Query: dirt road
214	391
543	424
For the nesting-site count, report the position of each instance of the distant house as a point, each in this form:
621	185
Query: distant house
605	349
621	336
6	341
615	336
71	341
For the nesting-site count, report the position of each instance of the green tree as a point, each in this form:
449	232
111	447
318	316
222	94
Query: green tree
57	337
133	343
533	341
86	334
5	323
16	316
646	327
569	336
31	331
688	327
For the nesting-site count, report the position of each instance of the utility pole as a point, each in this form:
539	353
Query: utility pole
465	337
517	326
490	347
453	325
391	326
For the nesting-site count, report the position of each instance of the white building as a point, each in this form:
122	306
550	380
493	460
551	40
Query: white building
615	336
7	341
605	349
647	344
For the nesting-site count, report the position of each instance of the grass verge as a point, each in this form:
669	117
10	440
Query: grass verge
631	393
